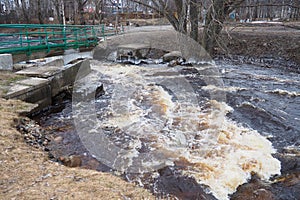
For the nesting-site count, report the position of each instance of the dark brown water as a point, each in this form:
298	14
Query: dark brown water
263	99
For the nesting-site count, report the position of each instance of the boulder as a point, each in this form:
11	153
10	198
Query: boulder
173	55
138	51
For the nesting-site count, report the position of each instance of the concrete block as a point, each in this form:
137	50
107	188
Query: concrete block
73	57
21	66
34	82
40	96
57	83
26	86
68	75
16	90
102	51
32	90
57	61
41	72
47	81
76	71
6	62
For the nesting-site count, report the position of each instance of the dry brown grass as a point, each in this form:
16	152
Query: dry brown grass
27	173
6	78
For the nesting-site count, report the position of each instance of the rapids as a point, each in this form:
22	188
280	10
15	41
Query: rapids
216	124
151	117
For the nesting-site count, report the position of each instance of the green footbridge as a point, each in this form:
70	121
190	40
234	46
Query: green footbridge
30	38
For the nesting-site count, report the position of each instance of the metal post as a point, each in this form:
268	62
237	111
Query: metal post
28	41
47	43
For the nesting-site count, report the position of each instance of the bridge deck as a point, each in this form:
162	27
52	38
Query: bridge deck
29	38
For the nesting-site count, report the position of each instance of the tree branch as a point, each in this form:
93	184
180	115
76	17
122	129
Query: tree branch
147	5
161	7
232	5
268	4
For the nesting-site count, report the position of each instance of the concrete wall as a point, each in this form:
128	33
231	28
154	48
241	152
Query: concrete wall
41	86
67	76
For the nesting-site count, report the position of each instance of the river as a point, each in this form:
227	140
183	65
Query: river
193	132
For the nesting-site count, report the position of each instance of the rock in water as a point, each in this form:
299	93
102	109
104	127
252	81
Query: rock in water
173	55
99	91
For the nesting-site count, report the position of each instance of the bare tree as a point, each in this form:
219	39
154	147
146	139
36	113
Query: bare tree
24	9
40	12
213	25
195	11
175	11
98	9
81	4
178	12
58	9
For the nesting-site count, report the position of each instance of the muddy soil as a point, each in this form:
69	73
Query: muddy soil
264	44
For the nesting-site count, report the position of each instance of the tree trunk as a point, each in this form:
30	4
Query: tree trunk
81	4
40	12
255	14
75	13
17	3
24	10
194	18
182	7
58	10
213	25
173	20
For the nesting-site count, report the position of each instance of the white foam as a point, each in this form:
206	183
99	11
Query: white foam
217	152
226	89
285	92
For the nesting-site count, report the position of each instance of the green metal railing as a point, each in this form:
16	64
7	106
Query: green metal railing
28	38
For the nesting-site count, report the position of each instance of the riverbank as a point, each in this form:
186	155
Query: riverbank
266	44
27	172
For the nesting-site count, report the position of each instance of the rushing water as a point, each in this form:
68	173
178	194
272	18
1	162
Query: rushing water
217	128
154	120
266	99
